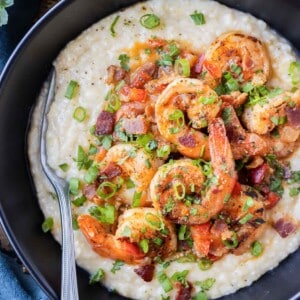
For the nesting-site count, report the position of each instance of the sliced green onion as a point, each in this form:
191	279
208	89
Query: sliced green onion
120	85
180	277
148	163
164	151
64	167
164	281
207	99
47	224
79	201
129	184
248	203
150	146
91	174
190	257
71	89
154	221
112	26
75	225
178	117
114	103
79	114
231	243
106	214
158	241
245	219
124	60
107	190
149	21
74	184
144	245
198	18
200	296
204	264
182	232
92	150
206	284
182	66
179	190
97	276
136	202
279	120
294	72
256	248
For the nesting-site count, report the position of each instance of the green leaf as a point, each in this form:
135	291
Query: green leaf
3	16
198	18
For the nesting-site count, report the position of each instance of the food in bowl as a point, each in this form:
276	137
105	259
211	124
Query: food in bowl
178	131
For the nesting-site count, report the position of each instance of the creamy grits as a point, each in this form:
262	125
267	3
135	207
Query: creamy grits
85	60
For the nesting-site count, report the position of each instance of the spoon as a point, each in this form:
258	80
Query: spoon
69	289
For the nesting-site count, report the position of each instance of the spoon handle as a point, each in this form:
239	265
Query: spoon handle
69	289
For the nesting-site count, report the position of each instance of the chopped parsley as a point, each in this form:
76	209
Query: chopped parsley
97	276
117	266
124	60
198	18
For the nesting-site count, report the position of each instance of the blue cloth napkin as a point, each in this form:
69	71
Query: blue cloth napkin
14	283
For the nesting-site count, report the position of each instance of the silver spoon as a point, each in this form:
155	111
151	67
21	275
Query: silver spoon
69	289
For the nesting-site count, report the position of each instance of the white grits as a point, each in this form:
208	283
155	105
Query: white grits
85	60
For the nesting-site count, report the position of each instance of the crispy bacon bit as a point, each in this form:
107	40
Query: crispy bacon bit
142	75
257	175
105	123
145	272
293	116
284	227
183	292
111	171
136	125
115	74
90	191
187	141
199	64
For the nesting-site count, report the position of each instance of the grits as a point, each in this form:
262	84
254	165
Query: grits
85	60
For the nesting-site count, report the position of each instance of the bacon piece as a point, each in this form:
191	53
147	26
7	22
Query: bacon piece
136	125
90	191
293	116
105	123
115	74
145	272
183	292
257	175
142	75
187	141
111	171
284	227
199	64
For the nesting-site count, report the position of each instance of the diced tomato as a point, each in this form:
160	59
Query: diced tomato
133	94
237	189
257	175
272	200
201	237
214	70
155	43
132	249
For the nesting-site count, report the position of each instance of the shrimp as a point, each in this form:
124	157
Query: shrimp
239	224
135	164
238	49
201	104
141	235
243	143
176	189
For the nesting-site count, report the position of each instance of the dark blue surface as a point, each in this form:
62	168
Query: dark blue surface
20	18
15	284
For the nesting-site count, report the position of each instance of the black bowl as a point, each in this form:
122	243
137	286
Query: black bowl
19	86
